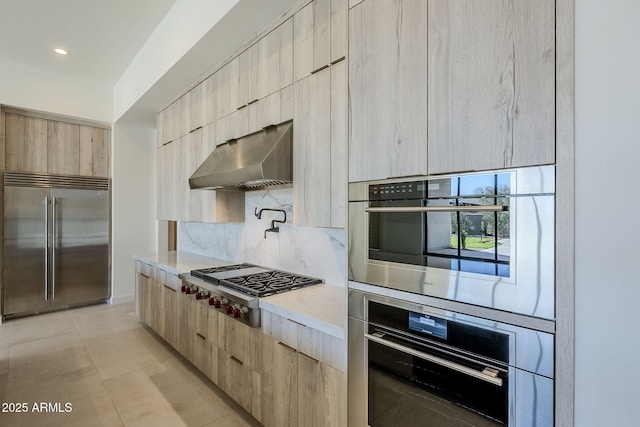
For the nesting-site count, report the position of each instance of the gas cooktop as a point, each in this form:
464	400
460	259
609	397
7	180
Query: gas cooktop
254	280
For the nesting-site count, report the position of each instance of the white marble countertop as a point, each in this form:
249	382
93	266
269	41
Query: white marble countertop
321	307
177	262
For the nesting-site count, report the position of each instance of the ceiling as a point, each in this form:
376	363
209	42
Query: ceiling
102	36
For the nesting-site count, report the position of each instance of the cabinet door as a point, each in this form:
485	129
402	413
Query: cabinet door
63	140
186	319
195	104
387	89
339	19
339	144
143	279
241	341
170	315
275	60
227	88
26	144
202	203
201	343
321	394
95	145
279	384
491	84
320	153
311	38
167	168
312	150
240	382
212	337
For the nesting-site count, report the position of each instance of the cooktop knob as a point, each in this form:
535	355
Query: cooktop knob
237	313
212	301
183	288
229	309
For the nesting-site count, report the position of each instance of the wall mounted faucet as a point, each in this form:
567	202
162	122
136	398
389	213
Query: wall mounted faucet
273	228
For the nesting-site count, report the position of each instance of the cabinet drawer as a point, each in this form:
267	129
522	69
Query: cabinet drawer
240	341
311	342
240	382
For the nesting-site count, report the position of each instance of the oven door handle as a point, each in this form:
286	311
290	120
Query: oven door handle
439	361
413	209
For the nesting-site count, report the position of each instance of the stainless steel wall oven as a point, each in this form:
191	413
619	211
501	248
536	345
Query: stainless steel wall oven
412	365
481	238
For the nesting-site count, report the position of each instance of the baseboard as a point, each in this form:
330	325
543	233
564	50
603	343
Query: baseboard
122	300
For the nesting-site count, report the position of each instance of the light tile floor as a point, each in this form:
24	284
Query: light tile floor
108	369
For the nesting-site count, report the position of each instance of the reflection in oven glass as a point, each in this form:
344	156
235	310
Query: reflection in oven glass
408	391
395	402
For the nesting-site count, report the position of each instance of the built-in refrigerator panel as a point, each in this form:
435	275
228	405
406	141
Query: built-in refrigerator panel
25	250
80	243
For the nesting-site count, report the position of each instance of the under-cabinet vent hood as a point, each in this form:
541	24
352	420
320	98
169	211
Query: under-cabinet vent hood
261	159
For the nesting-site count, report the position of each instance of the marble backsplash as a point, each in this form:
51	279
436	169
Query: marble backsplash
318	252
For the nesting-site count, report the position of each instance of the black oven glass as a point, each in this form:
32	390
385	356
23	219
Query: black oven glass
407	390
459	239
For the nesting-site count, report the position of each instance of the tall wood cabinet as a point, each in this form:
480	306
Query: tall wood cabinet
39	145
491	84
320	148
450	85
387	89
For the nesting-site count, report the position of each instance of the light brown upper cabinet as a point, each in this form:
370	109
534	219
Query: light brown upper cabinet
94	151
173	122
63	148
275	60
387	89
26	143
319	36
491	84
320	148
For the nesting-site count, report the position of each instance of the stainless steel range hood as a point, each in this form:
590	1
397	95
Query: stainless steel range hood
261	159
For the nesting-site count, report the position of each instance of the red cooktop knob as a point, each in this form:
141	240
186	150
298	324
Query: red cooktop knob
237	313
229	309
217	303
183	288
212	301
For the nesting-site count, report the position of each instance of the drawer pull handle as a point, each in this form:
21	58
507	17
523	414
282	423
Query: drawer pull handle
200	336
235	359
286	346
313	359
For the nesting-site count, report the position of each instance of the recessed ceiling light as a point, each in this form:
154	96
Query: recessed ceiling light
60	51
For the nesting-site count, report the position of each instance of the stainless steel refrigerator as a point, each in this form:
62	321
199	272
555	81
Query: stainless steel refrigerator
56	242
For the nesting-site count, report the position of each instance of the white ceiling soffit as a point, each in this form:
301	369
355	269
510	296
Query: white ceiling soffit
102	36
242	23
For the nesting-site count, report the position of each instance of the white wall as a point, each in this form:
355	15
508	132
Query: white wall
134	206
607	207
32	88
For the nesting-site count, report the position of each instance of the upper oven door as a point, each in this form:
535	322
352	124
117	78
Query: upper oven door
485	239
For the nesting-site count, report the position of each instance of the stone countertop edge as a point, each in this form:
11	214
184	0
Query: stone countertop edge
178	262
321	307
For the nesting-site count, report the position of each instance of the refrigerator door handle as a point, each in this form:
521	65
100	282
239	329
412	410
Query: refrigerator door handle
53	247
46	248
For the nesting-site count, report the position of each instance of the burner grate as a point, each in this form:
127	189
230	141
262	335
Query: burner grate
268	283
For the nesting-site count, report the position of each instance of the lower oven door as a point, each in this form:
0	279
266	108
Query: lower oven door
399	378
411	385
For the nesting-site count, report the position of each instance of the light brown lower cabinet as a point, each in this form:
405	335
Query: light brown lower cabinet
240	382
185	316
171	331
278	384
299	390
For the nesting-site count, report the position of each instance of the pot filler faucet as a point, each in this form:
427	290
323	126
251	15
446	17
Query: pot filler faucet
273	228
